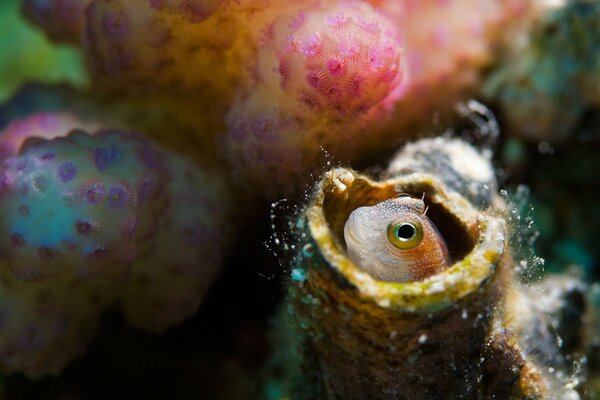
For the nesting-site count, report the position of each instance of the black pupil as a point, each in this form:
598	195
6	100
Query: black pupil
405	231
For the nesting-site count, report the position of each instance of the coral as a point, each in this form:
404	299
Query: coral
338	61
297	106
187	250
423	267
220	55
447	45
195	48
294	79
40	126
90	220
439	43
162	120
45	325
191	10
326	75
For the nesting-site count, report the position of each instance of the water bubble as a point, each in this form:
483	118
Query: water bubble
298	275
412	358
545	148
308	250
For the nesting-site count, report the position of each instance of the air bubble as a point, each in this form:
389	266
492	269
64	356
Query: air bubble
298	275
308	250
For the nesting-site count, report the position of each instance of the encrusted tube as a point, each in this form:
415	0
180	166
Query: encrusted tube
463	332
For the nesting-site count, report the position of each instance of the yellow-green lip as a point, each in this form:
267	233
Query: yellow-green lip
464	277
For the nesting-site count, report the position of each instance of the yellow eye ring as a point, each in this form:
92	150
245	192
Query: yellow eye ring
405	235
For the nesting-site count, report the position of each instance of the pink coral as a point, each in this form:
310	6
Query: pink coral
192	47
282	80
320	71
447	44
39	126
341	61
326	77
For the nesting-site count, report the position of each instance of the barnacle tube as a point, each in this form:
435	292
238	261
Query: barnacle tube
369	338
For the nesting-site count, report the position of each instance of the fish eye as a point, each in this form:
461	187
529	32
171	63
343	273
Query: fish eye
405	235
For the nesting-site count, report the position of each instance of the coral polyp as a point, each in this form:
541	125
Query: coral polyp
111	213
44	326
192	10
333	66
339	61
179	46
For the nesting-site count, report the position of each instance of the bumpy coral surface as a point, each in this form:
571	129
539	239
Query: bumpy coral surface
329	74
327	64
287	81
195	47
340	61
40	126
323	75
443	37
90	220
447	44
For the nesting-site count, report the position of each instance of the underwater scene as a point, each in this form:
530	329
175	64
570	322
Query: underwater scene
300	199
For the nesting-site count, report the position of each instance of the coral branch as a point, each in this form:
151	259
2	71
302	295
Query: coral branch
89	220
